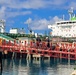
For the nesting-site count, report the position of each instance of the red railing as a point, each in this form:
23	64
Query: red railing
61	50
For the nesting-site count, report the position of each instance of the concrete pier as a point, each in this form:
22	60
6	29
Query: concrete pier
39	57
29	57
36	57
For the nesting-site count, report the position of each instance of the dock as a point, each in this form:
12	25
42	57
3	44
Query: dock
61	50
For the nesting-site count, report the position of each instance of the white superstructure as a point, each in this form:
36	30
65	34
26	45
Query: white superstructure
64	28
17	31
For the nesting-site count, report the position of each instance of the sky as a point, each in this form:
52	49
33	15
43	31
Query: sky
34	14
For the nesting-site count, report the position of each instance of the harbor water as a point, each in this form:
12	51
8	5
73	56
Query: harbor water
37	67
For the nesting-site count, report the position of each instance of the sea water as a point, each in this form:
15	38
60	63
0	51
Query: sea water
37	67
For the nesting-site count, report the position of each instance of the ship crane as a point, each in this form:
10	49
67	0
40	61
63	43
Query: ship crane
70	11
2	26
3	21
29	21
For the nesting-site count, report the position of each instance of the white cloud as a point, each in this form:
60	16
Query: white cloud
28	21
41	24
73	4
33	4
2	12
17	13
7	7
56	18
18	5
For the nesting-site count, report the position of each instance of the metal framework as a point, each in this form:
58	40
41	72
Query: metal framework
61	50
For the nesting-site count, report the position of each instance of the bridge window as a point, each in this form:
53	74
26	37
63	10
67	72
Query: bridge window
65	23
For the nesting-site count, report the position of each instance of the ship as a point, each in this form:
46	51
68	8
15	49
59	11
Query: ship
64	28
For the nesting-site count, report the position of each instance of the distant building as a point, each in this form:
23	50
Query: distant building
2	26
16	31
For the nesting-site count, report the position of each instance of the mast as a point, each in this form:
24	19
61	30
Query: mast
70	11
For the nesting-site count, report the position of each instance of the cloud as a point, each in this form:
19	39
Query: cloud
56	18
41	24
2	12
7	7
27	4
19	4
17	13
33	4
28	21
73	4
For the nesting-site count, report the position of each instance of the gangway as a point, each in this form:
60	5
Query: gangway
7	38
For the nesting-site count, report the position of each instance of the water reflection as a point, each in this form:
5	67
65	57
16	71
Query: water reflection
35	67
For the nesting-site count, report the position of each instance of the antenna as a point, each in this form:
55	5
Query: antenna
70	11
63	17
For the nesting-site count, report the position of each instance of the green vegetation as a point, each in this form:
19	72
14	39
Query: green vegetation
14	36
